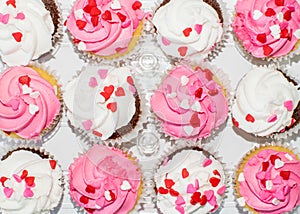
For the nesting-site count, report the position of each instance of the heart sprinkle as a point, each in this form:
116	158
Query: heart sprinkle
182	51
112	106
207	162
87	125
187	31
125	186
185	173
250	118
52	164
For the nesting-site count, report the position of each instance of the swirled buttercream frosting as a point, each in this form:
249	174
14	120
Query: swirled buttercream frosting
104	27
104	180
190	103
102	100
26	29
28	102
265	102
267	28
187	27
29	183
268	181
190	182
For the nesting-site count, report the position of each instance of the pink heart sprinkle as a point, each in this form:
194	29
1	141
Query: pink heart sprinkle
272	118
211	85
190	189
277	180
179	200
87	124
100	202
8	192
102	73
207	162
132	89
17	178
165	161
222	190
165	41
4	18
263	154
209	194
20	16
286	190
213	201
198	28
93	82
264	195
212	108
28	193
196	184
289	105
14	103
180	209
260	175
279	195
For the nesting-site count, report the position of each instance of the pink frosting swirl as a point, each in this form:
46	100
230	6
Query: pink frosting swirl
104	180
104	27
271	182
190	103
28	103
267	28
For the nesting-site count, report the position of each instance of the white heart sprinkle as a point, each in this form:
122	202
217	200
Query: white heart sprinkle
184	80
290	158
269	185
107	195
115	5
280	16
275	201
278	163
26	89
35	94
196	107
257	14
275	31
241	177
297	34
185	104
125	186
172	95
188	129
241	201
81	46
33	109
79	14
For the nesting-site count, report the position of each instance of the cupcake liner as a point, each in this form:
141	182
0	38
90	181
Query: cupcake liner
182	145
48	132
235	175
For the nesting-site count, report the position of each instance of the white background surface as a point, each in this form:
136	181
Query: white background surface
64	145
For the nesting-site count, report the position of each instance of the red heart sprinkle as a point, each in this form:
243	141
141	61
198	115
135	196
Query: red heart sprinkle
3	179
263	182
235	122
121	17
95	11
83	199
196	197
203	200
279	2
265	166
52	164
198	92
187	31
112	195
261	38
90	189
136	5
76	41
11	2
267	50
130	80
80	24
169	183
185	173
174	193
87	8
273	158
214	181
162	190
250	118
216	172
182	51
95	20
284	33
25	80
195	121
287	15
106	15
89	210
97	133
120	92
17	36
208	74
108	90
270	12
24	174
285	174
112	106
29	181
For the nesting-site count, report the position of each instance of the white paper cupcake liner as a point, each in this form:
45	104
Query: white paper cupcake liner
235	175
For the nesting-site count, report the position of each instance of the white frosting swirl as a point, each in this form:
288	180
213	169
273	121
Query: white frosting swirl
25	32
265	102
17	195
187	27
86	103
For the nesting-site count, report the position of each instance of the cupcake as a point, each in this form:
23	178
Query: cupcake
267	29
108	29
267	180
29	102
103	101
187	28
31	182
190	103
192	181
105	180
266	102
28	30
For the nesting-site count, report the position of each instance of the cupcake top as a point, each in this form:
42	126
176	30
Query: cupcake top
26	29
29	183
269	181
101	100
190	182
104	180
267	28
104	27
187	27
265	102
28	102
190	103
